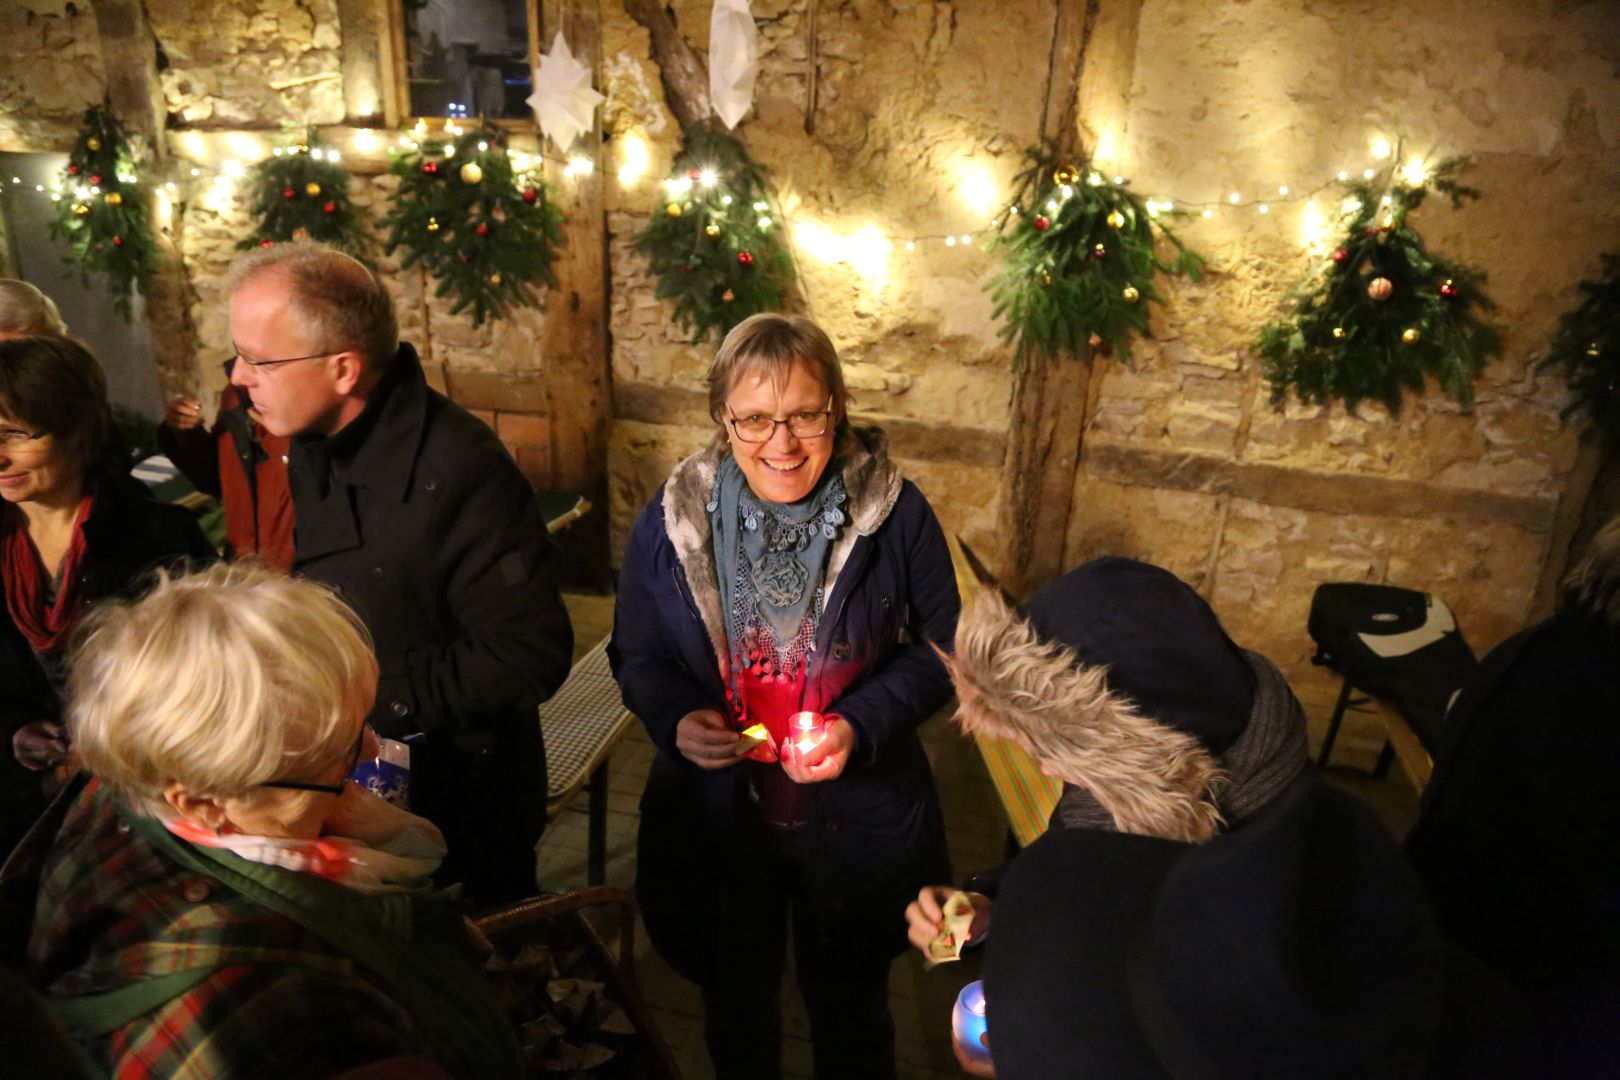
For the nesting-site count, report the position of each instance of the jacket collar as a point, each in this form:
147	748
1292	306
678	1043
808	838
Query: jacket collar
871	482
378	449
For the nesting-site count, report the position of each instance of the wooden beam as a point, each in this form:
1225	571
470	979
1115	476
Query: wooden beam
684	72
574	341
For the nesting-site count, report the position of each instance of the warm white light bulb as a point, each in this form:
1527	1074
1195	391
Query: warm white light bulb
1368	174
482	146
1381	148
764	222
1264	209
708	178
950	241
1343	175
317	153
1234	198
911	245
726	200
1209	213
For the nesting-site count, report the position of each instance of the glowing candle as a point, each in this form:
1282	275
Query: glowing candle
807	730
968	1026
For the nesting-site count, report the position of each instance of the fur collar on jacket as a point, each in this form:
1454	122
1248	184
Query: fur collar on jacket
1152	779
871	482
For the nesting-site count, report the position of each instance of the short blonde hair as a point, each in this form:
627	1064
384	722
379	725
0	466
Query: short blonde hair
222	680
335	297
770	345
26	310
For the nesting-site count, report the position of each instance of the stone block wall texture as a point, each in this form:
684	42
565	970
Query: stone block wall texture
918	104
1248	97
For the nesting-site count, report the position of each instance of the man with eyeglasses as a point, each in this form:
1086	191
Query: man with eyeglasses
412	507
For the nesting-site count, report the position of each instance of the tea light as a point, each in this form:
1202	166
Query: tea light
968	1025
807	730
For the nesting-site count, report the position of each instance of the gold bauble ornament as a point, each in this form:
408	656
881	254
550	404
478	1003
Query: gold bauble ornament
312	189
1046	278
1129	294
1593	350
673	209
114	199
1066	174
433	225
471	173
712	229
1380	288
1338	333
1410	335
495	278
1115	219
93	143
80	209
1094	340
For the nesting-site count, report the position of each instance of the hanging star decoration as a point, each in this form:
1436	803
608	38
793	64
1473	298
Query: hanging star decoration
733	60
563	101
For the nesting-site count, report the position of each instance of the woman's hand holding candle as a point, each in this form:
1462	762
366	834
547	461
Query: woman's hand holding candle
810	761
704	738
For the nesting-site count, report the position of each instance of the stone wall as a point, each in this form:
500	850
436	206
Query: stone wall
50	70
1189	464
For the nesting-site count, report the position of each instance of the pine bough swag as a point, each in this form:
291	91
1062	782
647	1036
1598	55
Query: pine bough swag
712	241
300	193
487	235
1382	312
1079	261
102	213
1587	346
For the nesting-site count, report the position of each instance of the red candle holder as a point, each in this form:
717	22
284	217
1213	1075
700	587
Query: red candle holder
806	730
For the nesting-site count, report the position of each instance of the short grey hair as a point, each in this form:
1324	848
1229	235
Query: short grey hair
26	310
335	297
1592	587
770	345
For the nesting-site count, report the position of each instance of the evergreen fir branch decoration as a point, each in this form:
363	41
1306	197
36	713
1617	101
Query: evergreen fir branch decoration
1382	313
301	192
1587	346
102	210
486	233
713	239
1079	259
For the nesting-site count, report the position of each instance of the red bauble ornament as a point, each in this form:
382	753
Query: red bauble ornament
465	259
266	243
1340	256
1448	289
529	194
431	168
94	179
1042	223
330	208
73	170
693	174
746	258
482	229
289	194
1380	288
118	241
1099	252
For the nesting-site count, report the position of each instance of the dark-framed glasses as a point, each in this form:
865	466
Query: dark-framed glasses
803	425
16	438
331	789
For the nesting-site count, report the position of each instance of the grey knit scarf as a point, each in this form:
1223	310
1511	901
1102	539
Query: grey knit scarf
1263	760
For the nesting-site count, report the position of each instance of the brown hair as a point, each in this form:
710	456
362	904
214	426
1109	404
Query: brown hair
769	345
26	310
1592	587
55	385
334	297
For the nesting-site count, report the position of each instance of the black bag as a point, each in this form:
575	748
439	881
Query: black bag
1394	643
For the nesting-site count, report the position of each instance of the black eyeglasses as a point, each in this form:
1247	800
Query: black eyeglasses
258	365
331	789
803	425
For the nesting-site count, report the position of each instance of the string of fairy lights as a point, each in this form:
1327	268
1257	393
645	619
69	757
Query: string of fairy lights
867	244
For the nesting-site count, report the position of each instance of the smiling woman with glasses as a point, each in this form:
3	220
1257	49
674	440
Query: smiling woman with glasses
238	907
75	528
778	606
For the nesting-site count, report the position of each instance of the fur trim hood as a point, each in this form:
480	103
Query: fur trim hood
871	483
1153	779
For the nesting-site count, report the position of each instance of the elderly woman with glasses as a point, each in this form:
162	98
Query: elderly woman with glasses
214	898
780	602
74	528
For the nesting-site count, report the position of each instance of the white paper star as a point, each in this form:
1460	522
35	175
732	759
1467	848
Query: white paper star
733	59
563	102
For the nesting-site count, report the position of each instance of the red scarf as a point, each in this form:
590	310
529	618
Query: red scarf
26	576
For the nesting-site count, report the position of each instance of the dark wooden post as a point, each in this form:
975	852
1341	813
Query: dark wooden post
1047	419
574	343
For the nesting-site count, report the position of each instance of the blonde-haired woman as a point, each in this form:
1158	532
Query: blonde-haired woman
27	312
786	568
217	899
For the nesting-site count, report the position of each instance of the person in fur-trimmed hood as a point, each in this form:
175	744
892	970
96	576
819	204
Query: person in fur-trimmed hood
1118	680
786	568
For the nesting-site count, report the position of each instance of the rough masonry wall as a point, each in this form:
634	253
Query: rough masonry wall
1189	465
912	98
50	70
